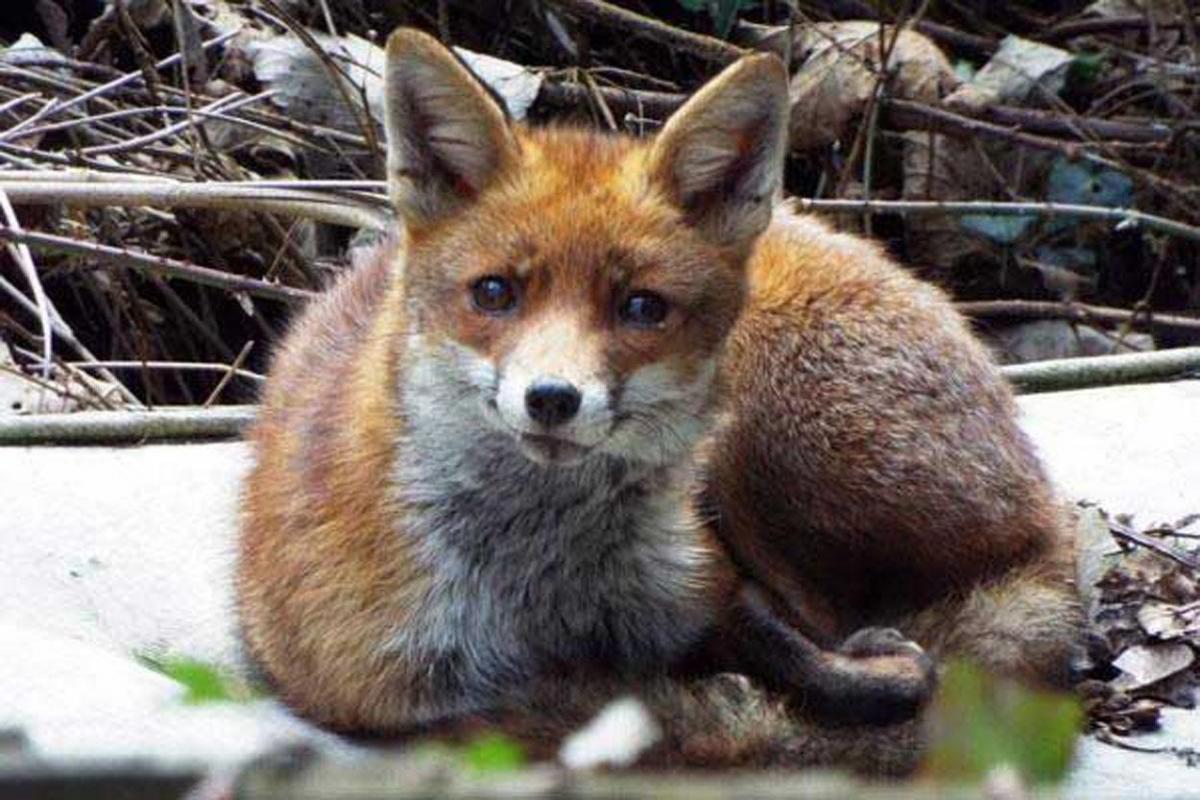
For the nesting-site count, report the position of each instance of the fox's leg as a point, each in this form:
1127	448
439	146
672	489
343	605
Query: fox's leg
876	677
718	721
1025	624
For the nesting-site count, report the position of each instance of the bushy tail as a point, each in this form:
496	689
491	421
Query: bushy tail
1028	624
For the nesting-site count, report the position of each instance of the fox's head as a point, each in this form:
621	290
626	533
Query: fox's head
573	289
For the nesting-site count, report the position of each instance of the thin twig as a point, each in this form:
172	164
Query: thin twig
1075	312
705	47
59	389
180	366
158	265
1083	27
63	331
228	376
55	107
245	196
24	259
1128	534
1124	217
226	104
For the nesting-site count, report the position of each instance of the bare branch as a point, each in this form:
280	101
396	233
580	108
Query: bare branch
157	265
1081	373
225	195
705	47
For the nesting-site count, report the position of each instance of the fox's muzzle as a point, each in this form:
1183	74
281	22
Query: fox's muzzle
552	401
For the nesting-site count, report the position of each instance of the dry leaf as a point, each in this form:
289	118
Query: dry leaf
1093	543
304	89
939	167
1146	664
1166	621
1021	69
840	71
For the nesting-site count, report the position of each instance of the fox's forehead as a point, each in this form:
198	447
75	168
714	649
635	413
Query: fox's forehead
579	157
576	209
579	198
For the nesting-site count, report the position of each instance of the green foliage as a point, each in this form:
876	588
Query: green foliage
1085	68
724	13
964	70
494	752
204	683
980	722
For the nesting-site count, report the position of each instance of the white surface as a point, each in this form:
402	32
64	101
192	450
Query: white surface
106	552
77	703
1103	771
128	548
1132	449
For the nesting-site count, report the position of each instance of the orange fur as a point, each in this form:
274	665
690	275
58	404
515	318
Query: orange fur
866	470
908	483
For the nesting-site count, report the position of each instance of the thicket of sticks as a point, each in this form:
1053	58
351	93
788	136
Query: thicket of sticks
161	213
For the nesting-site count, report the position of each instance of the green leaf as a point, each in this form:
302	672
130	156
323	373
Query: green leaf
980	722
494	752
204	683
1000	228
965	70
724	13
1087	67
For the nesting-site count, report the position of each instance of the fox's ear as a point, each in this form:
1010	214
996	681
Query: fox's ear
446	137
720	156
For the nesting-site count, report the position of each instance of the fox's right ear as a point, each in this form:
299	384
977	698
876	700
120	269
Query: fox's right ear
446	137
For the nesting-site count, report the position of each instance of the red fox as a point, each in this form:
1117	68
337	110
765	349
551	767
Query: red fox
606	417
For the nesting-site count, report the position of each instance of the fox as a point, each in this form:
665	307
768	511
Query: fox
606	416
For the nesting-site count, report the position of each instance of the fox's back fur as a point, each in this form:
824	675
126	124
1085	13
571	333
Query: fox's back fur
860	389
814	421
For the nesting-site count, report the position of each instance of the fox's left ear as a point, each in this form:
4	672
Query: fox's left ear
720	157
447	138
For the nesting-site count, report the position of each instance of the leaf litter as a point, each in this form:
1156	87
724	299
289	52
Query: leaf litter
1141	591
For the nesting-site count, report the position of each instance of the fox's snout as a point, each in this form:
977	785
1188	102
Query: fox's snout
551	401
552	391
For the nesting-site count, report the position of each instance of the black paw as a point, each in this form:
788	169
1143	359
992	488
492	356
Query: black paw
869	642
876	677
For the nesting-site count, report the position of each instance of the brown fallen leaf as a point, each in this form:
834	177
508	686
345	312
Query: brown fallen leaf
839	72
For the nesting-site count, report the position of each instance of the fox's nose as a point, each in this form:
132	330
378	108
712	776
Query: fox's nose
551	401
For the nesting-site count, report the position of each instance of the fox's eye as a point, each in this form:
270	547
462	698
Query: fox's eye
643	310
493	294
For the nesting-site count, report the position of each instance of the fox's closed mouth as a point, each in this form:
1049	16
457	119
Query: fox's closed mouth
552	448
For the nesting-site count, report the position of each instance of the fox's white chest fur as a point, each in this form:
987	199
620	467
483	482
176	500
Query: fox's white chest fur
536	567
